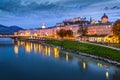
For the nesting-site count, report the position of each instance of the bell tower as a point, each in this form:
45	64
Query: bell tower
43	26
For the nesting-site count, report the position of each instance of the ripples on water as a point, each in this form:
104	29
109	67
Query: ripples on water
35	61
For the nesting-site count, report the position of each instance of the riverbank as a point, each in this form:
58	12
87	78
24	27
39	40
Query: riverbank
107	46
94	51
115	45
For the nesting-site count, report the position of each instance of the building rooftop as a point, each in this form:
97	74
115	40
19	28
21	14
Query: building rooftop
104	16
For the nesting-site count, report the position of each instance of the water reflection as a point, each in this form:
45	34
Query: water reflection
37	48
116	75
67	57
56	52
28	47
48	51
100	65
84	65
16	49
107	75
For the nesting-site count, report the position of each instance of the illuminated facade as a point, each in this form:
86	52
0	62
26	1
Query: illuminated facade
98	31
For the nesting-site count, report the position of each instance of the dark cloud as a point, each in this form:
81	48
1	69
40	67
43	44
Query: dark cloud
16	6
52	11
32	5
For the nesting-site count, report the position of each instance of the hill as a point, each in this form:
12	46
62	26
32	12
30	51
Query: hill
9	29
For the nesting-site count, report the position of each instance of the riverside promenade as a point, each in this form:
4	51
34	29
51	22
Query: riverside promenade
101	45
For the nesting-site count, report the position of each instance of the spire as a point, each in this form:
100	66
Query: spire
90	19
43	26
104	16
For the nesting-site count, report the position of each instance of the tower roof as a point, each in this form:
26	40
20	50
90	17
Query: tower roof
43	25
104	16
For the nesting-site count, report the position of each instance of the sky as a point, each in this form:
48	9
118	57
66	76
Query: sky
32	13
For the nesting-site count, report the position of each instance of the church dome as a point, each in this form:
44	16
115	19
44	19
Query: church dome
104	16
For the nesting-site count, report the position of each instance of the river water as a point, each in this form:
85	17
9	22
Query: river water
33	61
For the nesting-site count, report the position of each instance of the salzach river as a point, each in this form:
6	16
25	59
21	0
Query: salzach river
32	61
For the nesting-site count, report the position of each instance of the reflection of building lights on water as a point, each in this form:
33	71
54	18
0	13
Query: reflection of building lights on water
18	43
100	65
31	46
22	43
28	48
84	65
35	48
48	51
16	49
67	56
107	74
43	51
40	48
56	53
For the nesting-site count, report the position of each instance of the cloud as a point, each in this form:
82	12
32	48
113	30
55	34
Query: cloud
29	13
38	5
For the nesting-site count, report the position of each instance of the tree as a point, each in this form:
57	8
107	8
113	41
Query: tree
61	33
69	33
82	31
116	29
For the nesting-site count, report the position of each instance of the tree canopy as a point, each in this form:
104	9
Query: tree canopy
63	33
116	29
82	30
69	33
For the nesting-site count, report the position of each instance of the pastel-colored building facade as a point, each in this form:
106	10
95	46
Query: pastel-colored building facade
101	31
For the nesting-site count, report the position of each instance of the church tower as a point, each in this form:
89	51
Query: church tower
104	18
90	20
43	26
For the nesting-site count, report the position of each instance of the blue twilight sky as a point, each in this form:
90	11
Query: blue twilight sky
31	13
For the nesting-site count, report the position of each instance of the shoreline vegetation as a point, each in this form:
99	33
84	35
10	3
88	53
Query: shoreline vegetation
98	52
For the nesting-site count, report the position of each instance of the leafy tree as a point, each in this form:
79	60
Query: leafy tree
69	33
82	31
61	33
116	29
